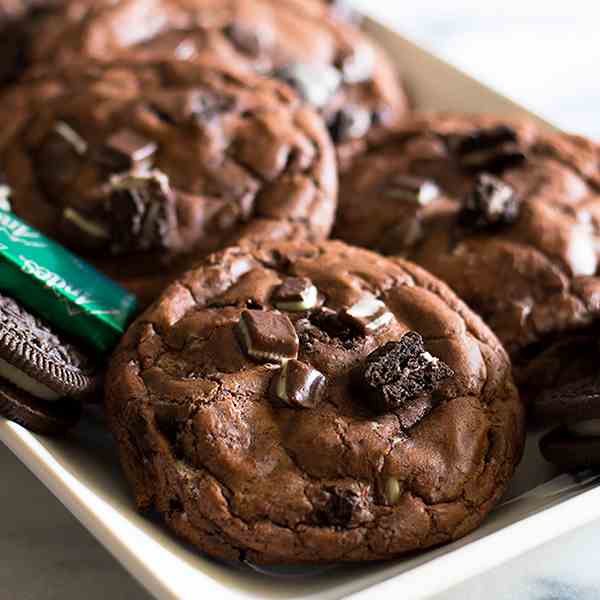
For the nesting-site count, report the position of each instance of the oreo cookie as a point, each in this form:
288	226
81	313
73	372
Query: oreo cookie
576	443
42	377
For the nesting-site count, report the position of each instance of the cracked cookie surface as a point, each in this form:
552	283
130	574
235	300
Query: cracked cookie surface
140	167
331	63
207	400
507	215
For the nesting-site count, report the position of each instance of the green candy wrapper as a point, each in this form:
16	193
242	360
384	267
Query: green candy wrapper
61	288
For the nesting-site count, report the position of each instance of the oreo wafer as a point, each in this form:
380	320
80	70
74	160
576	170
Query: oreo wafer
42	377
576	406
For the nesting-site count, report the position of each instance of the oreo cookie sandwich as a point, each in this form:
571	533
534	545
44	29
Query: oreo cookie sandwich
143	167
331	64
42	378
303	403
507	215
575	410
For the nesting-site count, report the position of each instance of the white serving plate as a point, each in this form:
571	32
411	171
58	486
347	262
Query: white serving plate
83	472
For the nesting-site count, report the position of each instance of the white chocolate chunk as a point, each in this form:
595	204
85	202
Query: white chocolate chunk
281	390
90	227
26	383
428	193
70	135
392	490
309	300
590	428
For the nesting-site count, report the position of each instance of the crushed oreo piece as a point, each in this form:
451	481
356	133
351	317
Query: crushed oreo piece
350	123
368	315
268	336
412	189
316	83
127	148
491	204
399	372
296	294
493	150
298	385
141	210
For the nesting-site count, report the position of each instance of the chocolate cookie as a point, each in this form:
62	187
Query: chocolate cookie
506	214
41	376
329	62
141	167
292	403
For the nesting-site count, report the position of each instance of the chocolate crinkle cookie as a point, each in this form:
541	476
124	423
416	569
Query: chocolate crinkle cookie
329	62
142	167
507	215
299	403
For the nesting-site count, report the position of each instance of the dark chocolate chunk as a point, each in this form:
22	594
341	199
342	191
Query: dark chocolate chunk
125	148
298	385
142	213
492	150
351	122
316	83
398	373
45	418
34	359
368	315
411	189
339	507
296	294
491	204
268	336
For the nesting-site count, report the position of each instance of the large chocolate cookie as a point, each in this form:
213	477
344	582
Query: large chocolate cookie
507	215
305	403
333	65
141	166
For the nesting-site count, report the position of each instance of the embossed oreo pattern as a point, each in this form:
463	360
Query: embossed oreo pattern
28	345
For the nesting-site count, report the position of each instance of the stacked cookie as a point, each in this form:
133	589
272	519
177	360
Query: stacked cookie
285	398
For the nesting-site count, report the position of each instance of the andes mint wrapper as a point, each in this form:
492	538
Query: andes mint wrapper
61	288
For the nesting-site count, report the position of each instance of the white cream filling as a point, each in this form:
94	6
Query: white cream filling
590	428
309	300
90	227
26	383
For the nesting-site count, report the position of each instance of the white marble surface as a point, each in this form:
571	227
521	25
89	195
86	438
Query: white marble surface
542	53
